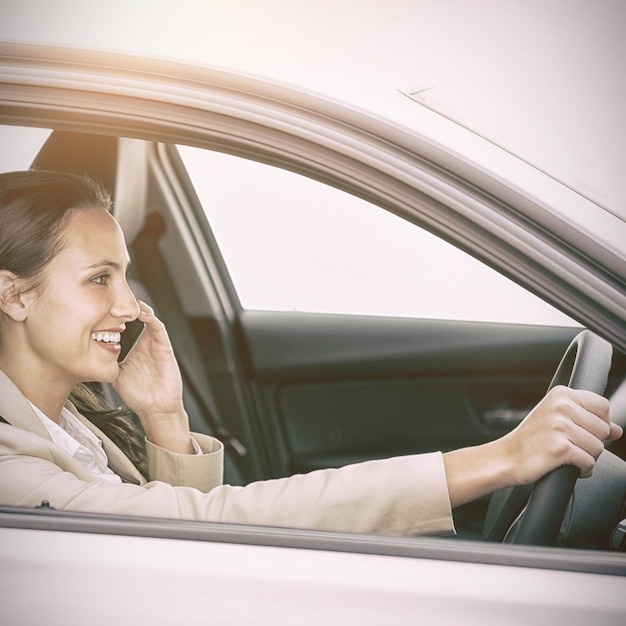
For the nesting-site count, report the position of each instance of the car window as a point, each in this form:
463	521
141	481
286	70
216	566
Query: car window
20	146
295	244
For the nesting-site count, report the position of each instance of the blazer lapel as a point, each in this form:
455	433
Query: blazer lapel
18	412
118	461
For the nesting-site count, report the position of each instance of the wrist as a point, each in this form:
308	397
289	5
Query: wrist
477	471
169	431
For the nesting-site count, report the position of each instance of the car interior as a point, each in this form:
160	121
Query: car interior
293	392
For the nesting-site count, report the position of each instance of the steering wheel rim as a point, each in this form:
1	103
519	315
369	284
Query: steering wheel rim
585	365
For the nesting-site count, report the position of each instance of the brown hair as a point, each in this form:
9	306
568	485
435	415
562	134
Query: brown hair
35	206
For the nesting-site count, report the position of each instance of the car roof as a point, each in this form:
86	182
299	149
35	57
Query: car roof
545	81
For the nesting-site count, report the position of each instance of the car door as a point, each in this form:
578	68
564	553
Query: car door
330	331
335	381
310	334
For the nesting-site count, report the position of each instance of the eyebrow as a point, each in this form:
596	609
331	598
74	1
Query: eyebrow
114	264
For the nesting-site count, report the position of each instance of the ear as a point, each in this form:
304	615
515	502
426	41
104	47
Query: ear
11	301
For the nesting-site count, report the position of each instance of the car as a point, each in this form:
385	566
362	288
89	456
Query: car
197	159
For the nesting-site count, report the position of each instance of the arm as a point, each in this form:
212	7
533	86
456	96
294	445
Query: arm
400	496
568	427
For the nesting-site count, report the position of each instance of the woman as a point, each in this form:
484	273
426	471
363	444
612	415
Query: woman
64	301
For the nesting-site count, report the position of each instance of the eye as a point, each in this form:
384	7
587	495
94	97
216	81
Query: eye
101	279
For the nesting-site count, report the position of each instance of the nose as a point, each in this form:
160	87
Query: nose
125	305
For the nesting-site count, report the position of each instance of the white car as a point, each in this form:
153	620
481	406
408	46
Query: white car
235	193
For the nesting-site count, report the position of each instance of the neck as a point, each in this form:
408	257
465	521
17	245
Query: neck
51	409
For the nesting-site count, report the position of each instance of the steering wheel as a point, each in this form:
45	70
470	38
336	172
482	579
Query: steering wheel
585	365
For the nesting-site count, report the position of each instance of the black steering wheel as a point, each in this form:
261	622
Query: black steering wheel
585	365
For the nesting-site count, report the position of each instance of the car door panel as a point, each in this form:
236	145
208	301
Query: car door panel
336	389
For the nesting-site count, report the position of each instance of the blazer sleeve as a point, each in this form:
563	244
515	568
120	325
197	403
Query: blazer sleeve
402	496
201	471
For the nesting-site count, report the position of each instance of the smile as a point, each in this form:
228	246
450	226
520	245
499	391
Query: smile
106	337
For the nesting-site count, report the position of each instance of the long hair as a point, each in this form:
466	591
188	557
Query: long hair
35	207
119	424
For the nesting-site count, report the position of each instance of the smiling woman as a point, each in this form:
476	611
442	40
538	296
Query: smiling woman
43	217
83	282
64	301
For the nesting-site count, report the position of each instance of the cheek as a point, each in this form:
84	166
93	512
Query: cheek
64	316
55	316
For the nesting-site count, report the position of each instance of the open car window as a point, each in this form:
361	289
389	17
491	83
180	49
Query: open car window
294	244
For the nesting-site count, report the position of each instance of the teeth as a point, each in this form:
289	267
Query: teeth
106	337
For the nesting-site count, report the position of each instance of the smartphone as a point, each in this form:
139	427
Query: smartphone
129	338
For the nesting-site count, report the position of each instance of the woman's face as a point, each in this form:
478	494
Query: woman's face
74	316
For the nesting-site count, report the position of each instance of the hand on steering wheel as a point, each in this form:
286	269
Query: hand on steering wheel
586	366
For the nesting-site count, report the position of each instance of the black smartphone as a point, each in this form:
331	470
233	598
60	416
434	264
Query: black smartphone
129	338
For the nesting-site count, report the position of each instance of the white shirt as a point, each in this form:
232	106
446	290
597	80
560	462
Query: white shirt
78	441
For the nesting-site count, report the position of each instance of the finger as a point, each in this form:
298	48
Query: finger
586	409
584	440
146	315
616	432
145	309
592	402
592	423
585	463
153	323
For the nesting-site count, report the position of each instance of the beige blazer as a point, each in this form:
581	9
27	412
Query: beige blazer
402	496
